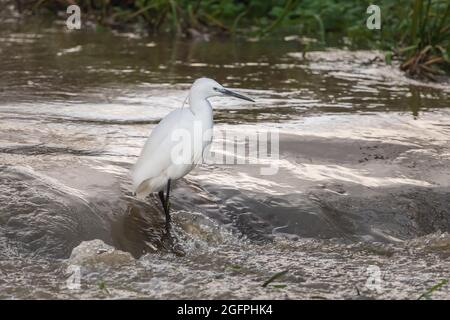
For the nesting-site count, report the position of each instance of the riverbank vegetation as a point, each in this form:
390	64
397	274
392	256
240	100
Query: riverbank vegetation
416	32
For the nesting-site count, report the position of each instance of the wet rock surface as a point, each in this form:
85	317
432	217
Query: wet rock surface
94	252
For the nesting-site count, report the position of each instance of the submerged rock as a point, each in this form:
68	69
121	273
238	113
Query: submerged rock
95	252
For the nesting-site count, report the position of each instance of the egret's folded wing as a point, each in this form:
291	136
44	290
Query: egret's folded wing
156	156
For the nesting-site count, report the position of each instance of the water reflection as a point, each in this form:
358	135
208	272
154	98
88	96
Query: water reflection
67	68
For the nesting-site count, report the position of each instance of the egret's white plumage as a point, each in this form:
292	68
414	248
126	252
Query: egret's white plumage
156	164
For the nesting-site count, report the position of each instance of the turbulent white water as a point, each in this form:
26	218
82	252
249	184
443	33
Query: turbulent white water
361	191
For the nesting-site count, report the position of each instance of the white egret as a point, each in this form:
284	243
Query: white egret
159	163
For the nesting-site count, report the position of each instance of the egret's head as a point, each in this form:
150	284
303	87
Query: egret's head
206	88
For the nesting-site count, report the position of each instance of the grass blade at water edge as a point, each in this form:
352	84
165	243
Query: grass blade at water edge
274	277
432	289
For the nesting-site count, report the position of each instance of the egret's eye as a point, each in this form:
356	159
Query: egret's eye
215	89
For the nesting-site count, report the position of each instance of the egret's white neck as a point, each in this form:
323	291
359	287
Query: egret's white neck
199	103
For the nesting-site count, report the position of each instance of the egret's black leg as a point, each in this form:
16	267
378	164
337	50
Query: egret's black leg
163	201
167	207
167	237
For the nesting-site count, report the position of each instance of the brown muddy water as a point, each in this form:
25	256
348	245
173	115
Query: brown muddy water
359	208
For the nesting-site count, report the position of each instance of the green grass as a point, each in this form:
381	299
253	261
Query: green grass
274	277
426	49
102	286
427	294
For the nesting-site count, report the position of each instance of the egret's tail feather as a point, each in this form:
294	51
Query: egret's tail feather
143	190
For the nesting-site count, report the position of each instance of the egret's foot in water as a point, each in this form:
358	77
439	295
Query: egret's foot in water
171	243
178	250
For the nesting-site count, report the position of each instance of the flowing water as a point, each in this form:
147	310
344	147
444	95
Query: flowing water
359	206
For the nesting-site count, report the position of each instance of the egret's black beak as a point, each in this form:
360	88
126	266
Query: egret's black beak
233	94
